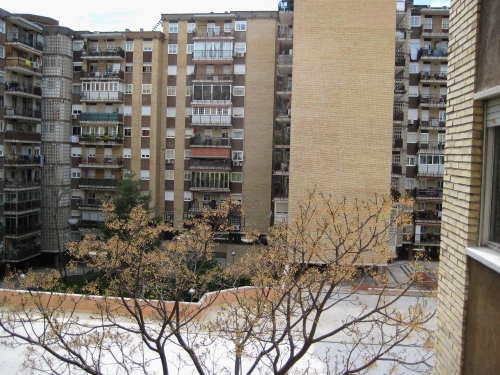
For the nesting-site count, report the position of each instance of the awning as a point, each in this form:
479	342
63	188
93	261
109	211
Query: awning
210	153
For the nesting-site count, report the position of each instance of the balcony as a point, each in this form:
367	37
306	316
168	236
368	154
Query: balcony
101	118
285	33
222	100
21	183
102	96
283	114
23	113
429	195
20	207
433	123
24	90
400	60
209	77
433	147
24	40
21	136
212	34
428	239
22	252
433	77
281	169
199	207
211	120
100	162
210	185
397	169
213	55
203	141
284	87
428	217
23	66
100	140
434	33
397	142
434	54
90	204
432	101
22	230
97	184
285	60
209	166
281	142
102	74
431	171
103	53
24	160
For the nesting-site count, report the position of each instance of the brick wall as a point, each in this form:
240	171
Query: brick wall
462	185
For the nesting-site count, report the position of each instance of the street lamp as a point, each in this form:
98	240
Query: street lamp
192	293
233	254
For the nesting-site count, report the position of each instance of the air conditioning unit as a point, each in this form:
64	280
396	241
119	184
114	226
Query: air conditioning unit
169	161
239	54
236	227
237	163
411	122
35	64
215	78
74	117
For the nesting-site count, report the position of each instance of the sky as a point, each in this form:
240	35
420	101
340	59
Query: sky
102	15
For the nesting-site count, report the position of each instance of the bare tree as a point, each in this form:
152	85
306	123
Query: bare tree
163	308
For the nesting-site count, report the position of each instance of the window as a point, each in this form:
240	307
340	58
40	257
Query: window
445	23
409	183
188	133
424	138
189	90
171	90
414	68
169	154
238	112
172	70
2	27
170	133
415	21
172	49
2	52
169	175
127	132
240	47
129	46
441	138
129	68
169	217
236	177
228	26
396	159
145	132
237	134
127	110
239	68
187	196
189	70
189	48
127	153
169	195
145	175
240	25
187	154
76	173
237	155
147	45
128	89
428	23
147	68
239	91
76	151
170	111
1	150
430	159
146	88
411	160
190	27
173	27
77	89
77	45
146	110
144	153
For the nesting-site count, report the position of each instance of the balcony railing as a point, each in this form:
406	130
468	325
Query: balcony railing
210	166
281	168
397	142
100	140
212	77
285	32
100	74
434	53
213	55
213	34
21	88
284	86
23	112
211	120
24	136
21	183
428	215
98	182
427	239
432	194
22	206
285	60
28	40
101	117
18	63
101	96
22	159
435	147
433	76
22	229
397	169
433	123
103	52
209	141
23	252
209	185
283	112
101	161
400	60
91	203
433	100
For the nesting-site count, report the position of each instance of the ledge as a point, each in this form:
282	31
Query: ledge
489	257
488	93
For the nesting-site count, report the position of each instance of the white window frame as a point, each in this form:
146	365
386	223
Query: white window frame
169	195
416	21
445	23
170	153
237	177
146	88
127	153
144	174
169	175
187	196
170	132
173	49
171	90
76	173
240	25
145	131
191	26
147	45
424	138
146	110
127	132
173	27
240	47
147	67
189	48
172	70
238	134
129	46
129	88
237	155
145	153
239	112
2	52
2	27
189	90
187	175
428	23
239	90
187	154
412	161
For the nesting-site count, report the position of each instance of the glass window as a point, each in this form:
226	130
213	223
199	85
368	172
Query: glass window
190	27
172	49
146	88
173	27
171	90
147	45
240	25
169	175
129	46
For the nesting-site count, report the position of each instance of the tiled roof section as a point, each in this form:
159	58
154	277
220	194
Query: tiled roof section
210	153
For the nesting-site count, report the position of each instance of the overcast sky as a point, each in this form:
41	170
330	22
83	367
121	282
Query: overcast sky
104	15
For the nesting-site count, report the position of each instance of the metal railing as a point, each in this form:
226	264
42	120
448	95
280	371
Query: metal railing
26	39
23	112
22	206
428	239
110	73
22	159
100	139
21	135
432	75
101	160
22	88
103	52
439	100
284	86
19	62
429	193
434	53
432	146
215	34
23	252
427	215
21	182
101	117
285	59
210	166
212	77
22	229
209	141
213	55
98	182
101	96
433	123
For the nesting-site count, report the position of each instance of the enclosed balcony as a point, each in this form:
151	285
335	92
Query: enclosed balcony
203	32
18	231
100	162
101	118
23	113
102	96
431	171
21	183
22	252
22	89
100	140
24	41
432	101
211	94
200	165
209	185
22	207
21	136
212	77
283	114
111	74
104	53
281	169
432	147
24	160
215	55
207	141
97	184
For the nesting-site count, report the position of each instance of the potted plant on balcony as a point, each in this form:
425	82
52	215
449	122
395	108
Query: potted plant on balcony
105	138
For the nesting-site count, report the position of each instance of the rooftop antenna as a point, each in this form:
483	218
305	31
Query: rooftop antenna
158	24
